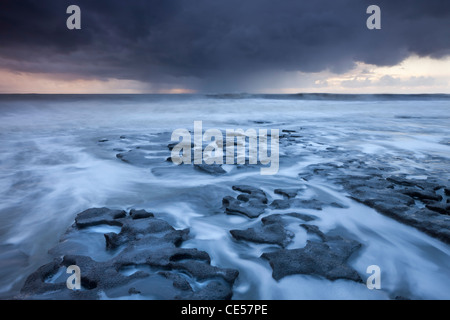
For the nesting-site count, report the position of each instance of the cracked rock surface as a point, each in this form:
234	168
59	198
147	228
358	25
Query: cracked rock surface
145	259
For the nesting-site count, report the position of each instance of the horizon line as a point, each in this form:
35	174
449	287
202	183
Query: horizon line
225	94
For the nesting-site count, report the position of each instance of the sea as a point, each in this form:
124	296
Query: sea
59	156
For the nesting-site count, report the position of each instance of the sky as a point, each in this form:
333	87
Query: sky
224	46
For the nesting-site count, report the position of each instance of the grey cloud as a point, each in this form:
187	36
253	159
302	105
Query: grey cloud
213	45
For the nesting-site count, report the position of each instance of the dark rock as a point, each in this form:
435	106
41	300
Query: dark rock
203	271
272	219
401	298
281	204
326	259
288	193
36	281
314	230
243	197
145	241
112	240
253	192
140	214
447	191
214	169
401	181
103	140
366	180
251	204
213	291
99	216
439	207
272	231
422	195
310	204
179	282
250	212
302	216
138	158
170	146
314	204
133	291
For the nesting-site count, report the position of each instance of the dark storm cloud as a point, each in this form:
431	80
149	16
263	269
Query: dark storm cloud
166	40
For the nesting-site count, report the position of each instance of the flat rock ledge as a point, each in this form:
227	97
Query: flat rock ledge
150	246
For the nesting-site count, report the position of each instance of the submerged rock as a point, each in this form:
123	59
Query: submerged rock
327	258
271	231
323	259
145	243
253	192
214	169
415	202
246	208
99	216
251	203
287	193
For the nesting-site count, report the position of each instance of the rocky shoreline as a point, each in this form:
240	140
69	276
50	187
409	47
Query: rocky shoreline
143	255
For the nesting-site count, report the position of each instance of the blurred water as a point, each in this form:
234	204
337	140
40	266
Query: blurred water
52	167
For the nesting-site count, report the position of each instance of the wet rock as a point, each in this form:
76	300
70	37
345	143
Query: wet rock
170	146
298	203
253	192
277	218
133	290
36	284
271	231
422	195
236	207
401	181
327	259
287	193
439	207
214	169
179	282
99	216
244	197
137	158
302	216
391	195
309	204
314	230
281	204
204	271
251	203
143	240
140	214
213	291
